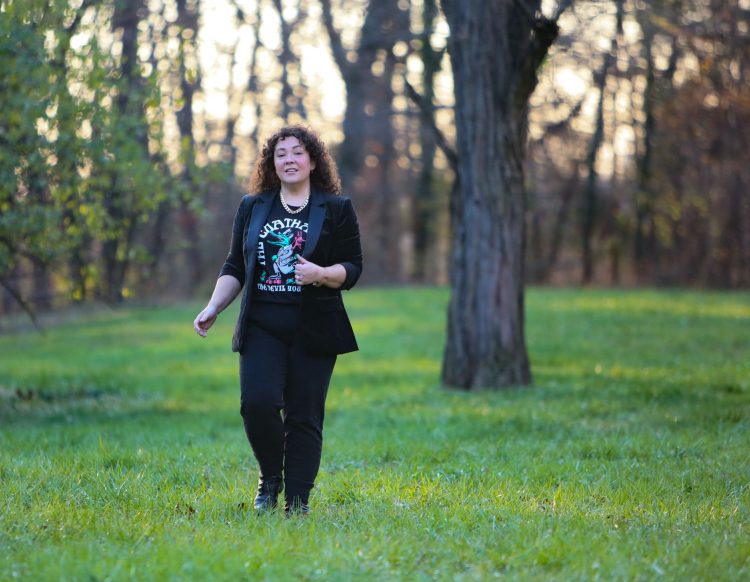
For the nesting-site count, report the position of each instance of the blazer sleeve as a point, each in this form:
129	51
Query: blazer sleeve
347	249
235	262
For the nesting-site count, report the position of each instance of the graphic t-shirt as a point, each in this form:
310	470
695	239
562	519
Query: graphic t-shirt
281	241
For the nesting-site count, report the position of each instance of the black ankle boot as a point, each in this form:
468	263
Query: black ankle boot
268	493
296	507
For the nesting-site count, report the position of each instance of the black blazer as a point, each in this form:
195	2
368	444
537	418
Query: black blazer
332	237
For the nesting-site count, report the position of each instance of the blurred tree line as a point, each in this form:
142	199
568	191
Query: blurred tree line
638	171
128	130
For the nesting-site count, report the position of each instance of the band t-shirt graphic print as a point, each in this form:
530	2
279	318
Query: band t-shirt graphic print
281	242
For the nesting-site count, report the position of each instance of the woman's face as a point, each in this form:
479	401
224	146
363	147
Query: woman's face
292	162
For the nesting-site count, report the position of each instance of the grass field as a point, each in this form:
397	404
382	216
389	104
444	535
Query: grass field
122	455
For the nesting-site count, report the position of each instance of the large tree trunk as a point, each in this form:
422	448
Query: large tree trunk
496	47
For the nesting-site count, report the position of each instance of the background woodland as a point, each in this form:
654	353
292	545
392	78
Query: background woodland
128	131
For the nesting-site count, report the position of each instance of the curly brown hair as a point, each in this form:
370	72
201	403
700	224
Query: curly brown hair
325	177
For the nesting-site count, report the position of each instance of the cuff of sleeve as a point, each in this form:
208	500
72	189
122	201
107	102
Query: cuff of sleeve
352	274
230	270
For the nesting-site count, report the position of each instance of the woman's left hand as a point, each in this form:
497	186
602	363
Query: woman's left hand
307	273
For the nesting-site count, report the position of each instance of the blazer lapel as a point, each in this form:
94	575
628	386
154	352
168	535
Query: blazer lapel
314	222
258	217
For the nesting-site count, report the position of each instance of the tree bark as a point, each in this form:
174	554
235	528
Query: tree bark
495	47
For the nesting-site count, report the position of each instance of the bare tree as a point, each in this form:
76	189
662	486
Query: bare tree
590	204
425	206
287	59
367	155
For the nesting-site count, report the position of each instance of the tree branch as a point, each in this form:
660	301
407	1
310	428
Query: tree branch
527	11
426	108
85	5
545	32
560	126
22	302
561	7
337	47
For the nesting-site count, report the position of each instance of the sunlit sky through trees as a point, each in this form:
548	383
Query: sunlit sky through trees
225	47
221	41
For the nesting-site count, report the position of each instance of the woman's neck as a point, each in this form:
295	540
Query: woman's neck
295	192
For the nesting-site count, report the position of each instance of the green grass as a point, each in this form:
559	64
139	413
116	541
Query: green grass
628	459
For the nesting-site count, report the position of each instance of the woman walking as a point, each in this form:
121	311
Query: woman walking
295	245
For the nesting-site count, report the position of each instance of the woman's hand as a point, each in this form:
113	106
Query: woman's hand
227	288
205	320
307	273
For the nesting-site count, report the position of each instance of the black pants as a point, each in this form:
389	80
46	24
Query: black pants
283	393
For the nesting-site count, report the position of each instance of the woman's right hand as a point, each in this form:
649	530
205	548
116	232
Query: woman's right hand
205	320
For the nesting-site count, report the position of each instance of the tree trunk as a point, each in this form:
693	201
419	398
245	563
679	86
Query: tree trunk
425	203
116	250
496	47
43	292
67	160
290	103
77	265
642	251
187	20
367	153
569	190
590	202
